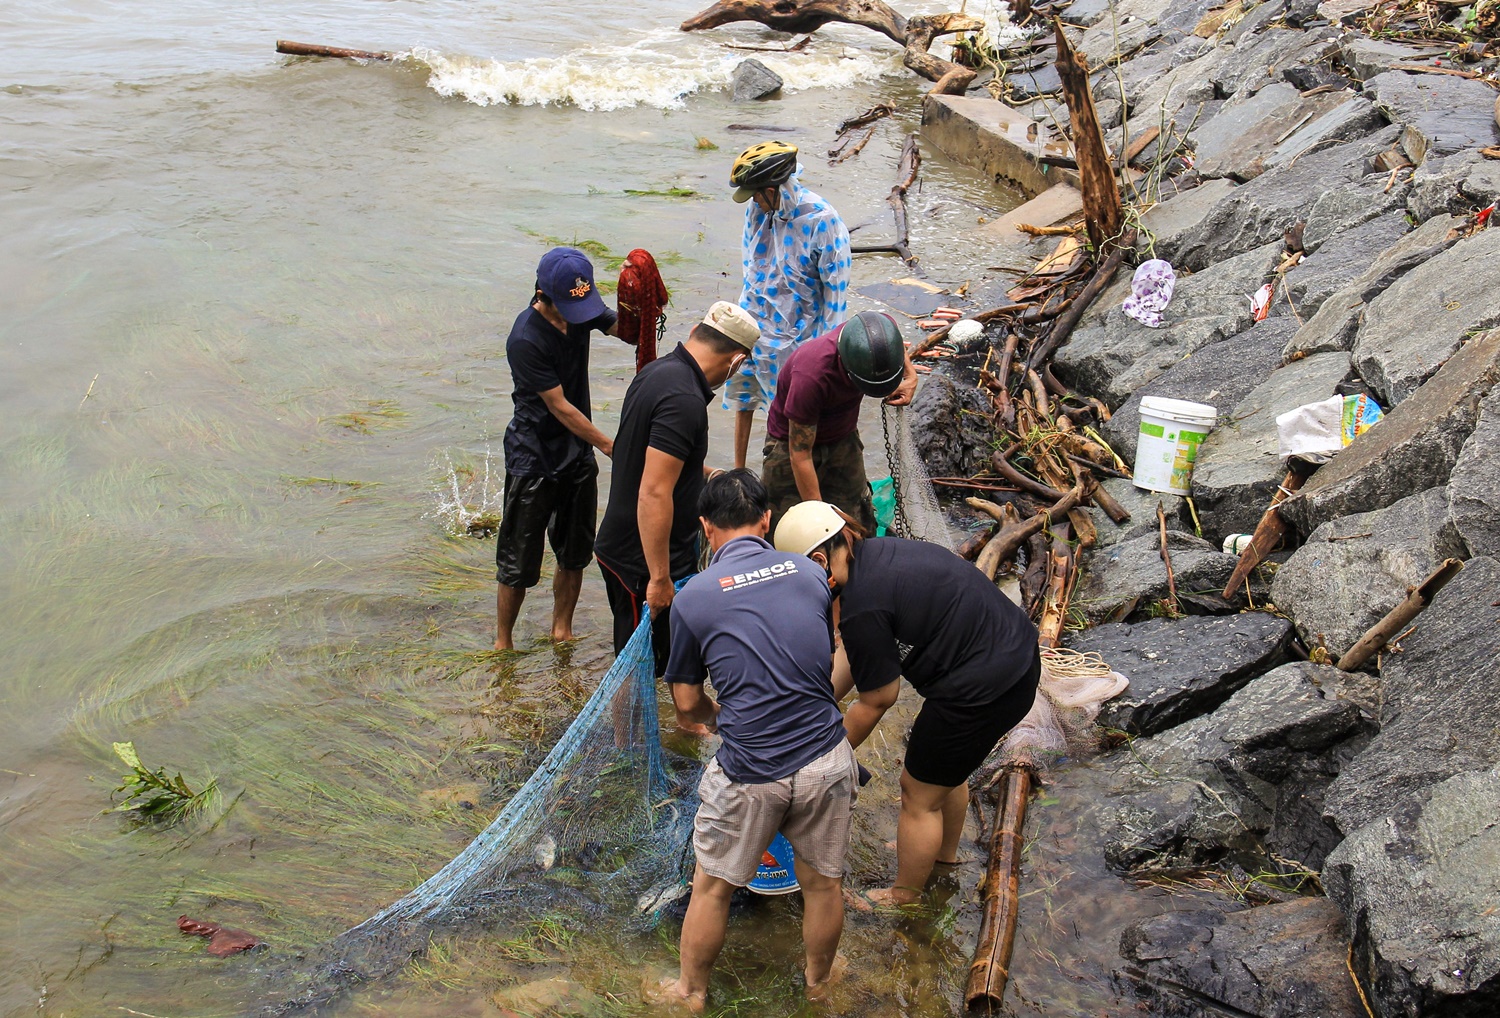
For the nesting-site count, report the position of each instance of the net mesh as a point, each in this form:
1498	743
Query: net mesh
601	830
918	515
1073	687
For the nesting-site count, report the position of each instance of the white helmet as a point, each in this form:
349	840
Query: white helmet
807	525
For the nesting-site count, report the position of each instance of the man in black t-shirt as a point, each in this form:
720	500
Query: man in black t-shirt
649	534
913	609
551	479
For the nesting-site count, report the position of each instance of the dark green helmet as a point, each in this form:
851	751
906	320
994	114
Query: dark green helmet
873	353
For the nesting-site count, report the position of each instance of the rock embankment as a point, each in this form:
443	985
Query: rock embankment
1352	175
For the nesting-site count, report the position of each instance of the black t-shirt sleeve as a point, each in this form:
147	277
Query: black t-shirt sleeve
606	321
874	658
531	368
685	663
676	424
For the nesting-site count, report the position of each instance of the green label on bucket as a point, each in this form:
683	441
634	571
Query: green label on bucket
1154	430
1190	437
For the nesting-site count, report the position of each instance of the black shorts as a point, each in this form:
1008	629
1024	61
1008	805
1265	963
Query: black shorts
949	741
626	604
562	509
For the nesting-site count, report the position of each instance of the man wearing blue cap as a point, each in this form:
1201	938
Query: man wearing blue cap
551	478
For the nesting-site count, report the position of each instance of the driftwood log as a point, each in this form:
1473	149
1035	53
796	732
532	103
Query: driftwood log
1382	632
997	934
910	162
916	34
1268	532
1103	215
309	49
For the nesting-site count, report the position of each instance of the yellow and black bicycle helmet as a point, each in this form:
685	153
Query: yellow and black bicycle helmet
760	166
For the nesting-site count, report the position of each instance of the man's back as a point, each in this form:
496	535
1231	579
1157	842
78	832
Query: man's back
757	622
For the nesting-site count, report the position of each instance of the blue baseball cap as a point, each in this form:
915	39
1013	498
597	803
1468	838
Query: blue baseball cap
566	276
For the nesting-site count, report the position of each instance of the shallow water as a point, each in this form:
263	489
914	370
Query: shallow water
253	306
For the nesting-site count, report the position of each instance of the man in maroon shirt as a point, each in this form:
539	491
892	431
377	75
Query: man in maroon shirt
813	449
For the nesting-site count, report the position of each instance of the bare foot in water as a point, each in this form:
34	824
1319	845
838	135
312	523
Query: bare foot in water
881	897
669	994
818	991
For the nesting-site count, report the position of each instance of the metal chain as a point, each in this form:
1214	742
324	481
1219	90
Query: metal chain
893	460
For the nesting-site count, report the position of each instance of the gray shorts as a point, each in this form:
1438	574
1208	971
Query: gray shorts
813	808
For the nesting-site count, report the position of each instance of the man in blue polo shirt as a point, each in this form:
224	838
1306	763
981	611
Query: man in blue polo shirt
760	623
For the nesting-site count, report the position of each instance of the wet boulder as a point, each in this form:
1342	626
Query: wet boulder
1458	184
1285	960
950	426
1110	354
1252	134
1141	504
1221	374
1339	259
1240	777
1440	714
1439	114
1419	887
1258	212
753	80
1180	669
1474	486
1166	224
1126	579
1354	569
1249	66
1366	57
1132	27
1412	449
1420	320
1239	466
1337	318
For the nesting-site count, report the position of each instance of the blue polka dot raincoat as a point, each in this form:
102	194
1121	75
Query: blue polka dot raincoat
796	283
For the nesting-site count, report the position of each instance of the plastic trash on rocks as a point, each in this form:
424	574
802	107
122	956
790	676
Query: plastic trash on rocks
1150	292
1315	431
1260	304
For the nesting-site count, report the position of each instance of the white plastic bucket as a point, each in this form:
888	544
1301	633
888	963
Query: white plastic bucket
1171	431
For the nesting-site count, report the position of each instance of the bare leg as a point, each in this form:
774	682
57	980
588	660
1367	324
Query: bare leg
566	583
507	608
703	930
822	924
921	833
955	812
742	421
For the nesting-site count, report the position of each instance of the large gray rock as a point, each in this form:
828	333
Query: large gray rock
1084	12
1366	57
1124	580
1182	668
1165	224
1238	466
1260	211
1354	569
1440	714
1412	449
1344	208
1285	960
1254	133
950	426
1182	16
1141	505
1440	114
1339	259
1237	777
1458	184
1474	487
1422	318
1185	83
1132	27
1256	60
1220	374
1418	887
1334	325
1256	17
754	80
1110	354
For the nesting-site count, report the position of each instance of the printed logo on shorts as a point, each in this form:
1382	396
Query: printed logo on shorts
754	576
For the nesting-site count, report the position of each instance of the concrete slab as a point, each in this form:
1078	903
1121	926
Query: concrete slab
995	139
1060	203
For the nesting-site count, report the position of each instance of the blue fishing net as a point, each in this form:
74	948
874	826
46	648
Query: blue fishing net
601	829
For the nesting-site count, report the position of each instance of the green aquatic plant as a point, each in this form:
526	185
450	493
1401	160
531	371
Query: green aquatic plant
376	413
154	796
670	192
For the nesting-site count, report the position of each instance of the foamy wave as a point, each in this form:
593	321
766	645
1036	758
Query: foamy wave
658	72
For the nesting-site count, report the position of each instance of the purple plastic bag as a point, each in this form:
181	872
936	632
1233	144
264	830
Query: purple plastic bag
1150	292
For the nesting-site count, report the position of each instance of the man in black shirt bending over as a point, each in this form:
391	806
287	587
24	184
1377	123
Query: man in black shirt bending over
649	535
973	657
551	479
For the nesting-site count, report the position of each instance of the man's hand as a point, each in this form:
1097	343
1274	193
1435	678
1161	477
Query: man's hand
608	447
905	391
659	595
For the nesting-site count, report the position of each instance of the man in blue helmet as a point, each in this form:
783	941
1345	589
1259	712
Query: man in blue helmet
795	266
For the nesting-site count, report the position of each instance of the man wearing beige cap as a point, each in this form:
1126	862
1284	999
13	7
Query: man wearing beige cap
649	535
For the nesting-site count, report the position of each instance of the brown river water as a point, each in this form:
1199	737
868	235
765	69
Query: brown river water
252	313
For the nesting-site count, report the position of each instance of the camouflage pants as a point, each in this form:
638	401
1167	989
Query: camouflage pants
840	467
